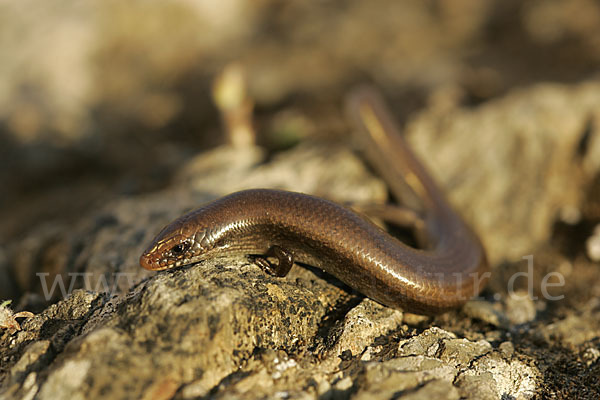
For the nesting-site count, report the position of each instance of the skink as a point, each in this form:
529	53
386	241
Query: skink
281	228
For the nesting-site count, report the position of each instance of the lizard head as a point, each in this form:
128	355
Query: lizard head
179	243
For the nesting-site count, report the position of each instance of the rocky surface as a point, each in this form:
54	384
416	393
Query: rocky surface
105	164
223	328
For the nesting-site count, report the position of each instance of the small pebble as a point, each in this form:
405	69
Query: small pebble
507	349
593	245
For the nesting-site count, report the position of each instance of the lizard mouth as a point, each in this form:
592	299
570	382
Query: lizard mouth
151	263
147	261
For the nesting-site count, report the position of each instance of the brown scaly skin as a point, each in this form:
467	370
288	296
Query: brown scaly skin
298	227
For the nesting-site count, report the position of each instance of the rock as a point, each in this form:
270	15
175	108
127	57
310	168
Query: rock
507	349
433	390
493	377
386	379
529	145
362	325
485	311
223	329
593	245
520	308
574	330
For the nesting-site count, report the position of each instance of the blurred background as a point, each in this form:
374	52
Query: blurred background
105	99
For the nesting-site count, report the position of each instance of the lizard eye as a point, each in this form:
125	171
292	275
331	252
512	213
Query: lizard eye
178	248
